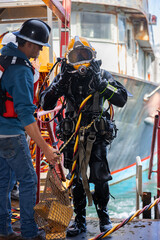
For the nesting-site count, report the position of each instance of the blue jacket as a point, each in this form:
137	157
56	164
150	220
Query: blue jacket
18	81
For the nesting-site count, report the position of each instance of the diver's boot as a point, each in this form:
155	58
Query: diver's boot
101	199
105	223
79	202
78	226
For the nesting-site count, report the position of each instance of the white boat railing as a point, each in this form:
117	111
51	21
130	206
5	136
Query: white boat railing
147	96
139	192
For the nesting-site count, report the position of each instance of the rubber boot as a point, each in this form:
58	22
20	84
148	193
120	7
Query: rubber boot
101	198
105	223
79	201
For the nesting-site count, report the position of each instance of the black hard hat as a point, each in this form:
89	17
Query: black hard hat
35	31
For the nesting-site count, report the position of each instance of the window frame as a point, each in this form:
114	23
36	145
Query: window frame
113	22
120	16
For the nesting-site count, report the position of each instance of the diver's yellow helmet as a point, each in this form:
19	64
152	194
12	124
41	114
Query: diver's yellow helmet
79	52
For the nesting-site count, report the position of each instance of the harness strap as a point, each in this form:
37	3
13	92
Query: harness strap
95	107
84	158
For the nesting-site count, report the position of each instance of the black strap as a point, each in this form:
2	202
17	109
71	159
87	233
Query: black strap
6	61
96	108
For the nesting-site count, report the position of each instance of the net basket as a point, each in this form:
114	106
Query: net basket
53	213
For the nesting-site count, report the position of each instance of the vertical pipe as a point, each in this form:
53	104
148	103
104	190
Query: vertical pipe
138	181
137	195
155	127
38	159
158	158
49	130
49	20
58	167
65	28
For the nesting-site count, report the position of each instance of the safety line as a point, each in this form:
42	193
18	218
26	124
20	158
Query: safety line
77	138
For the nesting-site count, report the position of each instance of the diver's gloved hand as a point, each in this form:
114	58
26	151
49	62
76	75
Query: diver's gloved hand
95	68
65	68
64	75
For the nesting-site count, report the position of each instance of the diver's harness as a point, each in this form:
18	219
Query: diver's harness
67	128
6	100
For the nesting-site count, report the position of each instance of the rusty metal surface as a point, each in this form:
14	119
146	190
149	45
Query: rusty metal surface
58	10
135	133
138	10
136	5
18	3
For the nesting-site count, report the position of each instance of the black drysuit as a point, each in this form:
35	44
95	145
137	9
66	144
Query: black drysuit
75	88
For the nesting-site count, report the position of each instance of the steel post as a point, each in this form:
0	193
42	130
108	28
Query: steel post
65	28
139	192
158	157
58	166
154	135
146	199
38	163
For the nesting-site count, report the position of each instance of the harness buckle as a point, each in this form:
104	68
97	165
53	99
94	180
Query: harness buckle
91	137
81	137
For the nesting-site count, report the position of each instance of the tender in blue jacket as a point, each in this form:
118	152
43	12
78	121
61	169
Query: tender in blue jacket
18	81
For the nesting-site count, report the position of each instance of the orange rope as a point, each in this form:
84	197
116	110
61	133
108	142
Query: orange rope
77	138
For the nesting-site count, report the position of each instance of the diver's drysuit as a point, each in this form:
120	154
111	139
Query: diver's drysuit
75	88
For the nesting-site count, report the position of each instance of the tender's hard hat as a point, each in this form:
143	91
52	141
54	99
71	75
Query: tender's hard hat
9	37
35	31
80	52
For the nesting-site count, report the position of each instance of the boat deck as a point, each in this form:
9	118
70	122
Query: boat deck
145	229
135	230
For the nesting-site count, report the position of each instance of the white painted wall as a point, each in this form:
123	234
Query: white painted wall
133	62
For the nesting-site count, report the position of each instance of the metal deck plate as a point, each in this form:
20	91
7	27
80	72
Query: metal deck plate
146	229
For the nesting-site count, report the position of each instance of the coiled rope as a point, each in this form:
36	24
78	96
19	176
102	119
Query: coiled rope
127	220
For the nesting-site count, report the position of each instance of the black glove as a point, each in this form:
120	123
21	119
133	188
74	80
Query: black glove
95	68
65	68
64	75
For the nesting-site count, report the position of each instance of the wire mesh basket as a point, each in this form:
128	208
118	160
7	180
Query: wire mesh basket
53	213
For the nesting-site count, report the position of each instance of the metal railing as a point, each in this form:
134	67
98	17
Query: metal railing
139	192
38	150
156	134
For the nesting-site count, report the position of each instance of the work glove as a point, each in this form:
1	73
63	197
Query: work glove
95	68
63	76
65	68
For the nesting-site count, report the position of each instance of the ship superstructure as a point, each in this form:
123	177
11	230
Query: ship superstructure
121	32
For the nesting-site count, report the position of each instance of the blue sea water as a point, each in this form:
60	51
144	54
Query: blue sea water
124	193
